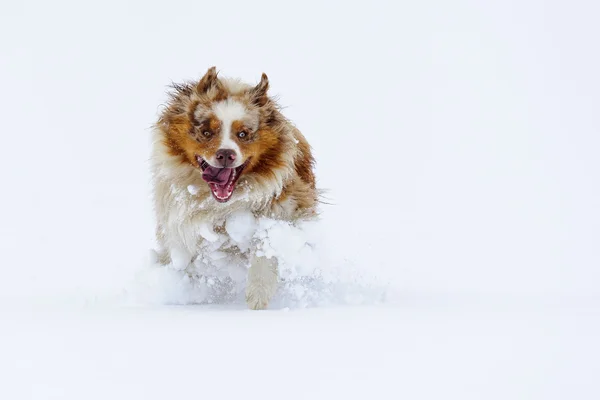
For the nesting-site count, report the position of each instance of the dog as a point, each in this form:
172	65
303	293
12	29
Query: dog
221	146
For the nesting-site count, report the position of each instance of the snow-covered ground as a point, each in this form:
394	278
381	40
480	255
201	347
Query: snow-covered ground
458	142
427	348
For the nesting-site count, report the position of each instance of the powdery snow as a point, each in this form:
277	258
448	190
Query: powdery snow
309	276
241	227
426	348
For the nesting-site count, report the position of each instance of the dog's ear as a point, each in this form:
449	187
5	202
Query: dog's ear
209	80
259	92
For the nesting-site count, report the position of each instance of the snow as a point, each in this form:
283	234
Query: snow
193	189
207	232
457	256
241	227
425	349
309	276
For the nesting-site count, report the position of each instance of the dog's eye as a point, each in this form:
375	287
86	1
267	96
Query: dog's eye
242	134
206	133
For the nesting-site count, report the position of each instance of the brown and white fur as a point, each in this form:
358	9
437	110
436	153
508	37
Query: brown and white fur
271	157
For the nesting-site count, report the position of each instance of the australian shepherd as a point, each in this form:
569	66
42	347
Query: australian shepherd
220	147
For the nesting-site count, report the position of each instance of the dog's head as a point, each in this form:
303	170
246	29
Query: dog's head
225	129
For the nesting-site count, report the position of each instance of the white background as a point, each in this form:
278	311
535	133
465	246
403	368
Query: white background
458	141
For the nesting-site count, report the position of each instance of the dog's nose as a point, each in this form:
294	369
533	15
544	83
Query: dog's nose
225	157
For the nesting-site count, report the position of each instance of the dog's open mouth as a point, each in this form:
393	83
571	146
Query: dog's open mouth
221	180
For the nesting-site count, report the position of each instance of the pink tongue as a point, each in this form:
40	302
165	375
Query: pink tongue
218	176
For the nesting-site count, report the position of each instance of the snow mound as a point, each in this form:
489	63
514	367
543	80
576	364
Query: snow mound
309	274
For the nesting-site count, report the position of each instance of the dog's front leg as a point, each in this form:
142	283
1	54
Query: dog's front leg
262	282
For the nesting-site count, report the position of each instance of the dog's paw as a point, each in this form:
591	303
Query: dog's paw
262	283
258	298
